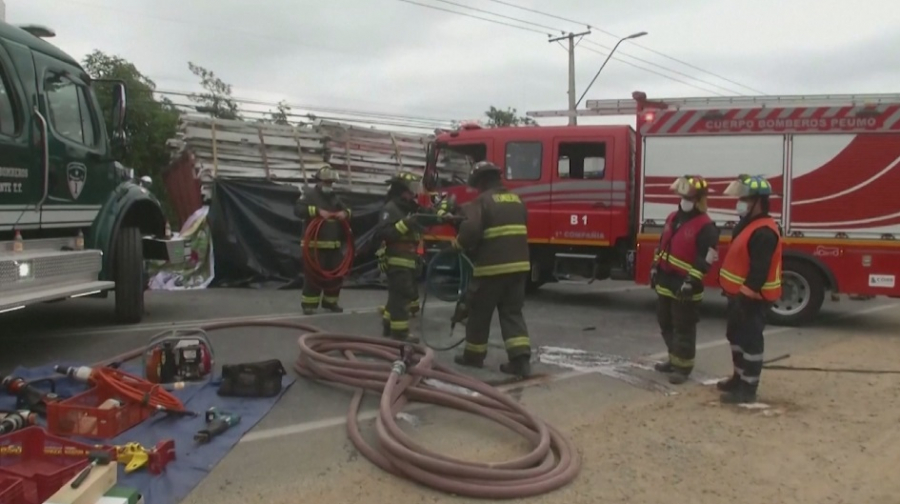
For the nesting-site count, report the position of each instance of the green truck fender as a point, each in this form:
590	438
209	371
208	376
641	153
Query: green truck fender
130	205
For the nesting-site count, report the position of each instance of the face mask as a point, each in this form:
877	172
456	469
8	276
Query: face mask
327	189
742	208
687	205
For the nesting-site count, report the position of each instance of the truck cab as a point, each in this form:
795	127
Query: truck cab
576	181
73	222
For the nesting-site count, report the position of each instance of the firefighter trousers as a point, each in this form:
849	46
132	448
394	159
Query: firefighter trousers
403	289
315	290
506	295
678	325
744	330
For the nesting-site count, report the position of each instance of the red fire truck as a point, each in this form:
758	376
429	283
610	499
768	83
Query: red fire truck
598	195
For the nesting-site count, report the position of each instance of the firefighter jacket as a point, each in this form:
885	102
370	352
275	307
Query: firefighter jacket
400	234
752	266
687	249
331	234
495	233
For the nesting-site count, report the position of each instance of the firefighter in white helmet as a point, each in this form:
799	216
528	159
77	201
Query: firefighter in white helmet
687	249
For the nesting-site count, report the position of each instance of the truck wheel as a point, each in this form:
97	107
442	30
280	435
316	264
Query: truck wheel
802	295
129	276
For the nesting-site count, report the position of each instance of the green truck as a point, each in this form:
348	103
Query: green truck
73	221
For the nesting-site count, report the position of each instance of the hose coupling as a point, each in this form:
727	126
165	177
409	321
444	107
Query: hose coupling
399	368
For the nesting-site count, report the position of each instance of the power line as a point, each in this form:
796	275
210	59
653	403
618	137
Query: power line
563	31
473	16
501	15
601	30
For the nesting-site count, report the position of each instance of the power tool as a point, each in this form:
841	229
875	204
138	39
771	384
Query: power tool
15	420
217	422
28	396
179	356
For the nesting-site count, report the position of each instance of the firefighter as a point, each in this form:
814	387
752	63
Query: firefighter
751	278
687	249
322	202
495	236
399	257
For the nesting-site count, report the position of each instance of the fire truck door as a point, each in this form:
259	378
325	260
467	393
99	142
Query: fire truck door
583	196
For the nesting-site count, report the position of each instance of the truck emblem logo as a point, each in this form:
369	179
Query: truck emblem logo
76	175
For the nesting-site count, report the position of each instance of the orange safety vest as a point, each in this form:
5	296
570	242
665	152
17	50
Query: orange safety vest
736	265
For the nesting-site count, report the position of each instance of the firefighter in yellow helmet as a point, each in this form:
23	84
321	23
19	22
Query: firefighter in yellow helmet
495	235
687	249
751	278
322	202
399	259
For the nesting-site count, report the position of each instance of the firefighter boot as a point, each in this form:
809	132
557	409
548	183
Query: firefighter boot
742	394
333	308
518	366
309	311
678	377
472	363
729	384
663	367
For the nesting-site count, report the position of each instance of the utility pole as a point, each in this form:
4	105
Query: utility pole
571	38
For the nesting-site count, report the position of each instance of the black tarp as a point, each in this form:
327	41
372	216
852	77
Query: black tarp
256	237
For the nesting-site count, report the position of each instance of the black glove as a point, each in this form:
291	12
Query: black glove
653	277
686	292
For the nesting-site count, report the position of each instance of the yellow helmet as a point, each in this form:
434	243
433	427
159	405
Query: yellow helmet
691	186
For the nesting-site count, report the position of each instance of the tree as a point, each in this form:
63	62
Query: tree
216	100
149	122
502	118
281	114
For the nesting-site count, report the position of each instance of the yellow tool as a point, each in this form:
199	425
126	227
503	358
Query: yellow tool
133	455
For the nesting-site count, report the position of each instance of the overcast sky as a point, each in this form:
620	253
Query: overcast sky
391	56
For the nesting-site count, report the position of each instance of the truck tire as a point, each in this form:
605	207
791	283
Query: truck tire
128	273
803	292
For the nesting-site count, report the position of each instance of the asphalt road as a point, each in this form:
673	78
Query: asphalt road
613	320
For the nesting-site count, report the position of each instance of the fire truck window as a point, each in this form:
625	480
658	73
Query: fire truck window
523	160
582	160
69	111
458	160
8	125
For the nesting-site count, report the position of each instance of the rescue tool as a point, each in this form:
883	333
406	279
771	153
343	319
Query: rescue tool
178	356
217	422
15	420
28	396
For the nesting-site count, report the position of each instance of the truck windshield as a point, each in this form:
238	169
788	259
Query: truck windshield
455	161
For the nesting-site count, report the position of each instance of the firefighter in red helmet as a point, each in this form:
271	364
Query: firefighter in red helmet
687	249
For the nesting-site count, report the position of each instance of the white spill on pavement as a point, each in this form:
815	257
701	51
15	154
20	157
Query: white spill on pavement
613	366
449	387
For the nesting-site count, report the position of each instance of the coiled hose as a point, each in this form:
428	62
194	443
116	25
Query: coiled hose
331	357
446	287
311	255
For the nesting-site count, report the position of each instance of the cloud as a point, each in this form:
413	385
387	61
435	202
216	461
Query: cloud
390	56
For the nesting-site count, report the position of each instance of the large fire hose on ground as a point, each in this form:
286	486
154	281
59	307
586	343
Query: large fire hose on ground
397	373
311	255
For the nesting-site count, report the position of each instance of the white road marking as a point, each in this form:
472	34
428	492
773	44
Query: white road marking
780	330
303	427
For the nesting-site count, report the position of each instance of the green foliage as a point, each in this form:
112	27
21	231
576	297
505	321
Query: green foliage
149	122
503	118
216	100
281	114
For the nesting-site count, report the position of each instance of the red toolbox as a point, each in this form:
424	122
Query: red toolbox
94	414
43	462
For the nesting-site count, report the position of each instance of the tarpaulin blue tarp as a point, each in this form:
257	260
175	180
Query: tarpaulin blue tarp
193	462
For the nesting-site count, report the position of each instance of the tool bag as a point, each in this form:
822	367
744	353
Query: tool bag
254	379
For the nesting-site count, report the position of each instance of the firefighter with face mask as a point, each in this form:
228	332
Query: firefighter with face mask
321	202
751	278
494	234
687	249
400	233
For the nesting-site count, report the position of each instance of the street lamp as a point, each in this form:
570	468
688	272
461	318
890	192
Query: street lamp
608	56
